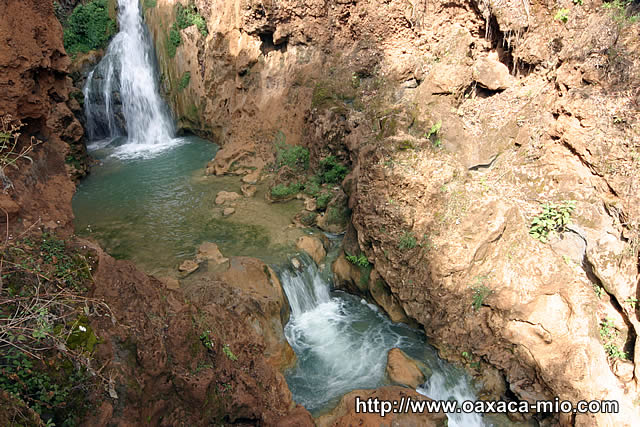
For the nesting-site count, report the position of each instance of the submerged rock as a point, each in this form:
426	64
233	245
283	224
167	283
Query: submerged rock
402	369
188	266
210	252
227	196
248	190
228	212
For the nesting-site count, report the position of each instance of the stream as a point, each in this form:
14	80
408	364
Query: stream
148	200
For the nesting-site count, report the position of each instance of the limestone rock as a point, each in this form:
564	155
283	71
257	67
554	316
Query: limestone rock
492	74
171	283
381	293
188	266
623	370
344	414
401	369
313	247
227	196
210	252
310	204
248	190
228	211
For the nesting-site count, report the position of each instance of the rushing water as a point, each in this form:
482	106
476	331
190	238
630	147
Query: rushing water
121	93
342	342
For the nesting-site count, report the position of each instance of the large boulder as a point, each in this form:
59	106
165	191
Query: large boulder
492	74
402	369
345	413
313	246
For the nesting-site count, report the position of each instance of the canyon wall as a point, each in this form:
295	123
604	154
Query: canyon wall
459	122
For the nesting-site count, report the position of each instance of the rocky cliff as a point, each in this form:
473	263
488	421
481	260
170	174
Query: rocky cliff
460	122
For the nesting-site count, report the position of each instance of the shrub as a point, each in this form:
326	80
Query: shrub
480	293
293	156
323	201
407	241
554	218
433	134
188	16
10	149
88	27
282	191
173	40
331	171
312	186
562	15
227	351
184	81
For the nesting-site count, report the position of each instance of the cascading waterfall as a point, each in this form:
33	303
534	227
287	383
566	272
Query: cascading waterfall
121	93
342	342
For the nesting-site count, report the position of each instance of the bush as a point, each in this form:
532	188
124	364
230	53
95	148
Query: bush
282	191
188	16
312	186
88	27
323	201
331	171
173	40
554	218
359	260
293	156
480	293
184	81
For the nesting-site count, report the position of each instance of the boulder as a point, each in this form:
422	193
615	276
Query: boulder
227	196
188	266
228	211
344	414
313	246
402	369
492	74
248	190
210	252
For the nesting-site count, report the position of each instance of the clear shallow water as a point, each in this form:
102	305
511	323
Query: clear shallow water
342	342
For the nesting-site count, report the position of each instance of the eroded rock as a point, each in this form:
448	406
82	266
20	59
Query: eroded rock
402	369
226	197
489	72
313	246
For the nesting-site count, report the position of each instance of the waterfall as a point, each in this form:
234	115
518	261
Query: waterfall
342	343
121	92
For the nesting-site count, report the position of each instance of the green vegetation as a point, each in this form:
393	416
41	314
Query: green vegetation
323	200
578	2
554	218
633	302
480	293
407	241
47	340
184	81
174	39
434	134
88	27
609	334
282	191
359	260
623	11
331	171
312	186
205	338
227	351
149	4
293	156
562	15
188	16
338	214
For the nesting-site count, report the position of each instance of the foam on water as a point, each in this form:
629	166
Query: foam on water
342	343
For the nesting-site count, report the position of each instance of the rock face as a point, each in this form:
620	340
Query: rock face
35	90
168	360
345	413
401	369
253	289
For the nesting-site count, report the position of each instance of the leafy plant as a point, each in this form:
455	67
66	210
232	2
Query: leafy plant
480	293
331	171
632	302
282	191
149	4
312	186
554	218
562	15
89	27
578	2
359	260
205	338
323	200
187	16
433	134
293	156
621	11
184	81
227	351
174	39
609	334
407	241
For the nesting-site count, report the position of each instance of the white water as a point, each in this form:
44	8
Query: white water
342	342
125	80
